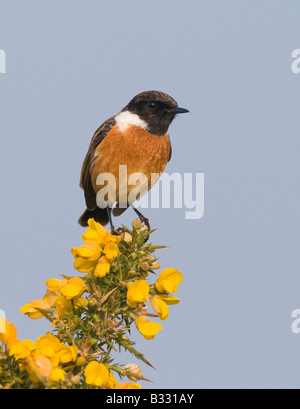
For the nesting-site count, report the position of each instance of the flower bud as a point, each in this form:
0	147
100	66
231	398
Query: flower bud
155	266
126	237
136	224
134	372
80	360
93	302
75	379
145	266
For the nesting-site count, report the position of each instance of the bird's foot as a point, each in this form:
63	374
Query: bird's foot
144	220
121	230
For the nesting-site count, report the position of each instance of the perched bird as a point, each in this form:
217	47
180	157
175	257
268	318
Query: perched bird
136	137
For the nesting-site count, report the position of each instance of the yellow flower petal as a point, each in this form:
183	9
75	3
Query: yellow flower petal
168	280
111	381
68	353
102	268
81	302
96	233
50	297
54	284
57	374
63	306
84	266
74	288
38	366
22	349
147	328
137	293
41	303
160	307
111	250
48	344
169	299
98	226
92	236
32	310
88	251
111	238
96	374
128	385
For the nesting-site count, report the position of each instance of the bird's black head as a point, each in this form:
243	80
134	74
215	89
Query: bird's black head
155	108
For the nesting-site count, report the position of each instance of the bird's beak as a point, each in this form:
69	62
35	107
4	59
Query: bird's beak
179	110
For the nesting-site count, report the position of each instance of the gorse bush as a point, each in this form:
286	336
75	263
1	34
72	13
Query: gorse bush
91	316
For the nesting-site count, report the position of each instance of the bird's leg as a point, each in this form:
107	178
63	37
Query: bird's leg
142	218
110	219
112	227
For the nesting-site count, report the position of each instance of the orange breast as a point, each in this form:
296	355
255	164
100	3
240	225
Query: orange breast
134	147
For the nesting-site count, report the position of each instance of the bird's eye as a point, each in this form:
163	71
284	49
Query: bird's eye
152	105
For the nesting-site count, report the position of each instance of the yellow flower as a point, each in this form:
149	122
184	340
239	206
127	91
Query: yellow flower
159	305
55	285
38	366
169	299
9	333
81	302
96	374
48	344
102	268
57	374
137	293
33	309
80	360
86	257
111	238
84	266
73	288
127	385
22	349
88	251
63	306
96	233
111	250
50	297
147	328
111	381
68	353
97	240
168	280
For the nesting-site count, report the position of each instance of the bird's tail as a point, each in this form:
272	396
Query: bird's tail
100	216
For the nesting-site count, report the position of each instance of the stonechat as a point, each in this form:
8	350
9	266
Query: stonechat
136	137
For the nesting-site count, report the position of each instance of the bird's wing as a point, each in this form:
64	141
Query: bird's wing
85	178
